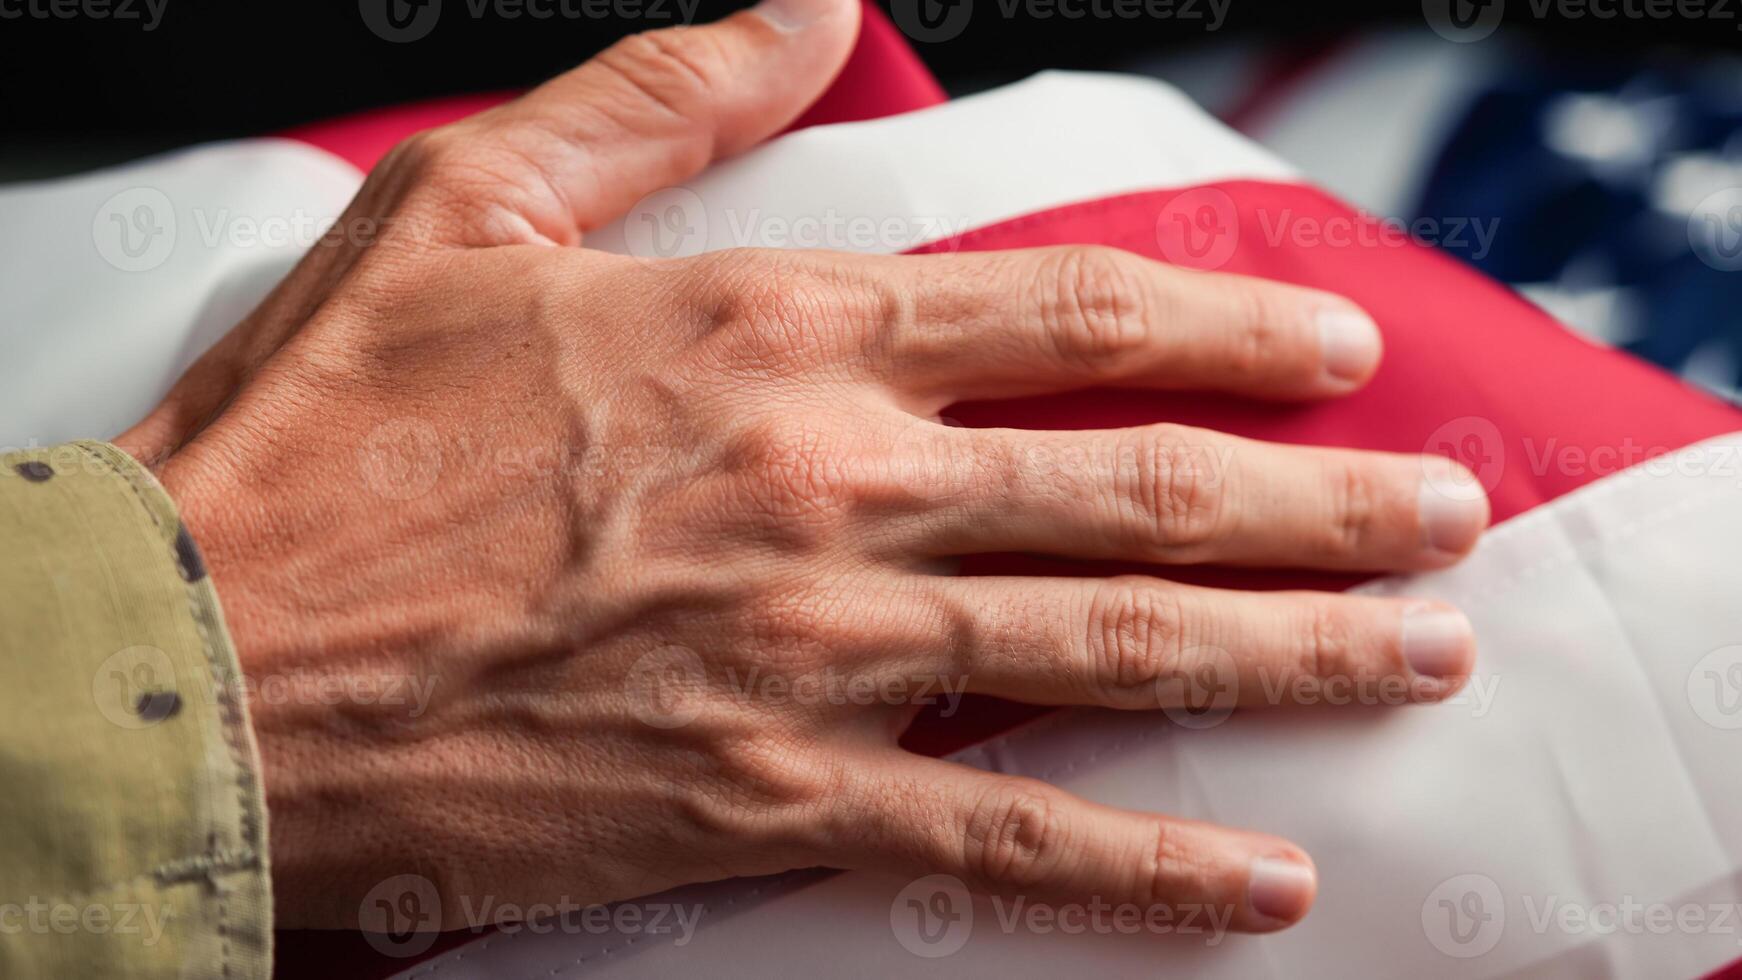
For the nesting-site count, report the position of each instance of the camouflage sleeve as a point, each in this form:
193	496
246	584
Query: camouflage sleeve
132	825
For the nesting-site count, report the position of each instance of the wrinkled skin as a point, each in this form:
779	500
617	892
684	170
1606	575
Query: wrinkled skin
606	513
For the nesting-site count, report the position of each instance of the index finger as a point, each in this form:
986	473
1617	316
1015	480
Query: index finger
1006	324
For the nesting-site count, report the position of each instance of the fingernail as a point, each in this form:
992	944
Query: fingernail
791	15
1453	512
1349	344
1437	642
1280	889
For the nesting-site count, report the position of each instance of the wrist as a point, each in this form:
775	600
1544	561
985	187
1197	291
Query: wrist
211	520
312	839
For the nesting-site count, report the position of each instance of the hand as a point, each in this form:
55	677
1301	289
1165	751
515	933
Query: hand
622	513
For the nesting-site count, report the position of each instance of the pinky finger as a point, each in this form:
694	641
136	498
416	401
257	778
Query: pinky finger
1013	836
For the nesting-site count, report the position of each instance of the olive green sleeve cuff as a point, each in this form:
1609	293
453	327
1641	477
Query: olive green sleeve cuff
132	825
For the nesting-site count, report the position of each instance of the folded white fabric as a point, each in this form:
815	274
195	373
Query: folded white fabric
112	283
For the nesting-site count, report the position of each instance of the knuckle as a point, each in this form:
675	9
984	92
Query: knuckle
677	69
448	159
722	284
1328	647
401	280
796	462
725	269
1180	502
771	312
774	772
761	789
1135	638
1014	837
1355	512
1258	335
1095	315
454	177
420	152
1169	862
798	619
798	484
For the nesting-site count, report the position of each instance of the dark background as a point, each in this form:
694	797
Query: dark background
78	88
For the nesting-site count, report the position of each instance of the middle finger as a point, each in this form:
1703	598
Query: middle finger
1180	495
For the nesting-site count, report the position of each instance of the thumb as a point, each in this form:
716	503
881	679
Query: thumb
650	112
656	108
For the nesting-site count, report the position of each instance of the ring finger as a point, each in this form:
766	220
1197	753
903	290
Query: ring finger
1140	643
